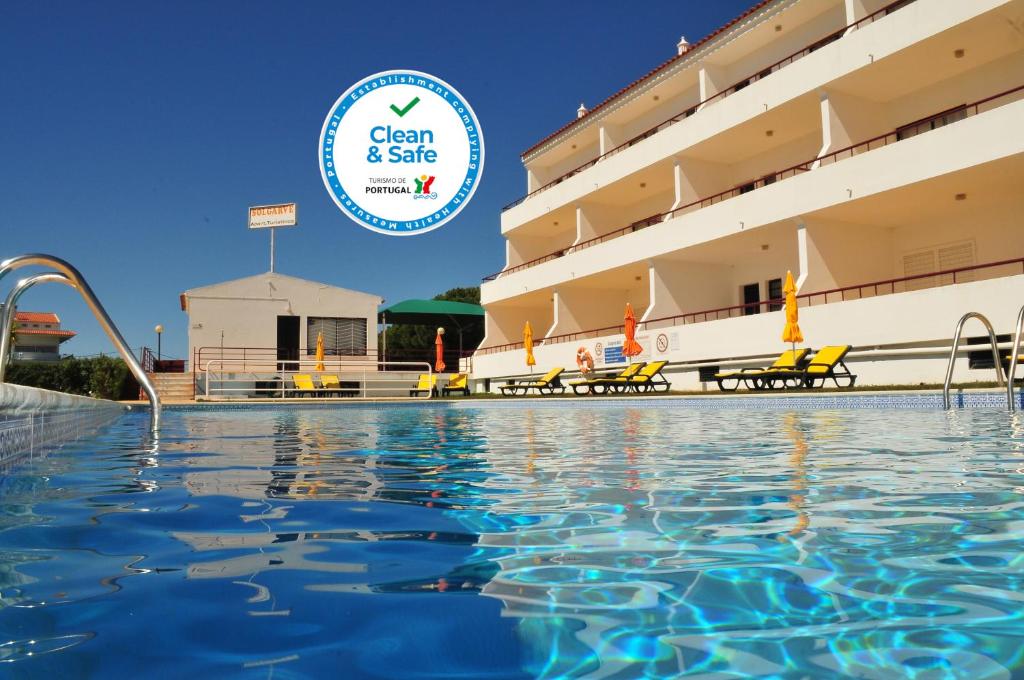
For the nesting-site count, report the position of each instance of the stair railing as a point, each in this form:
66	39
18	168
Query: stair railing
1011	404
68	275
956	344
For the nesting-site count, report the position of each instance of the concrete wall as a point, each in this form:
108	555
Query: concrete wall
246	310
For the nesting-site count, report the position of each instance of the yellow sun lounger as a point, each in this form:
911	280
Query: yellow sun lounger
426	384
457	383
546	385
590	385
332	386
303	384
755	378
827	363
648	379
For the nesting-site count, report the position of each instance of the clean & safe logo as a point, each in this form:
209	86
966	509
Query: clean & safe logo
401	152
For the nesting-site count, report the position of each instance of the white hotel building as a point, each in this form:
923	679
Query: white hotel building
876	149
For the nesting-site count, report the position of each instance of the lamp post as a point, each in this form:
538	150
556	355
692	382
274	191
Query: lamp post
159	331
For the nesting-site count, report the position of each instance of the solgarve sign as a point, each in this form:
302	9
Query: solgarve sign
401	152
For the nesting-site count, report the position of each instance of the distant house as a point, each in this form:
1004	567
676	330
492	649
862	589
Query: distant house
271	317
38	336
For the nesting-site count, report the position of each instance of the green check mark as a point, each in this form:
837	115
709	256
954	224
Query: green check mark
408	107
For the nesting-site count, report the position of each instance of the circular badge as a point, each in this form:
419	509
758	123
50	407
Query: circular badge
401	152
662	342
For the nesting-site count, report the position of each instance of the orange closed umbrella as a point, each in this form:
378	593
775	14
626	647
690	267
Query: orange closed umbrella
791	333
528	344
630	348
319	351
439	354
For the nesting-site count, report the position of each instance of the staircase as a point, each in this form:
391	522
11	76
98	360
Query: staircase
173	386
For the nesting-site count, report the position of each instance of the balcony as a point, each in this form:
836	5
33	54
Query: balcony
859	291
943	118
737	86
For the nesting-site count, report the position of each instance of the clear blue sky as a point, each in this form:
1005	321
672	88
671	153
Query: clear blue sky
134	135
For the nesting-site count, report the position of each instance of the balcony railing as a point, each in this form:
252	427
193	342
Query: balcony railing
732	89
932	122
947	277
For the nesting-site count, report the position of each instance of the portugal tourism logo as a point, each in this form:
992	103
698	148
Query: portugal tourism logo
401	152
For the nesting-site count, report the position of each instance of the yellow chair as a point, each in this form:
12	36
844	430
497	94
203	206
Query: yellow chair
546	385
756	378
649	378
827	363
332	386
590	385
427	383
457	383
303	384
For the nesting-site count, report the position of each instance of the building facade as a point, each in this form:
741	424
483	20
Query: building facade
254	323
38	336
872	148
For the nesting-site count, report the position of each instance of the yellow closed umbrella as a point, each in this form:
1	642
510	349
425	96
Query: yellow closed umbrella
319	351
528	344
791	333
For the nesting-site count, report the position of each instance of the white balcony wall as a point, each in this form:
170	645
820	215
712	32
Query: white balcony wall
667	108
504	323
584	307
682	286
598	219
764	46
975	141
864	49
524	248
924	315
843	254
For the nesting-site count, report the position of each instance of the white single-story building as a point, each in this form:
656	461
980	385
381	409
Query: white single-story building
271	321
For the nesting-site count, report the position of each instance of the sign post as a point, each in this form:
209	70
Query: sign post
271	217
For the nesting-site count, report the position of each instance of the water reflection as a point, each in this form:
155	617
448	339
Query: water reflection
596	541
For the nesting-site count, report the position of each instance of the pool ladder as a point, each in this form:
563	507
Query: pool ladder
69	276
1011	375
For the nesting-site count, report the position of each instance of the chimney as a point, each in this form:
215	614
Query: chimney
682	47
582	111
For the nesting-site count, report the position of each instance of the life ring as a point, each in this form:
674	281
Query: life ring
584	361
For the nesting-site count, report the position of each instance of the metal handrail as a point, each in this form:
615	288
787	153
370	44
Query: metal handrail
956	343
1010	403
69	275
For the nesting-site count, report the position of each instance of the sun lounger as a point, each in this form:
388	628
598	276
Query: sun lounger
755	378
827	363
600	385
330	385
427	384
650	379
303	384
546	385
457	383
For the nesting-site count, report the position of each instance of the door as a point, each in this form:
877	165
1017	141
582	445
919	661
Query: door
287	343
751	296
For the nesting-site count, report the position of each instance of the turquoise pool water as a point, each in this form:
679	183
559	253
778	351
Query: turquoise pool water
536	541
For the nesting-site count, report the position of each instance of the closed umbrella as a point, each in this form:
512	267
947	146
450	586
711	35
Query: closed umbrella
528	344
630	348
791	333
439	354
319	351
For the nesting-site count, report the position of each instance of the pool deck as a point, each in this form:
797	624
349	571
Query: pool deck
821	399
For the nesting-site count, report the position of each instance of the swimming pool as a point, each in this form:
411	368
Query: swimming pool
548	540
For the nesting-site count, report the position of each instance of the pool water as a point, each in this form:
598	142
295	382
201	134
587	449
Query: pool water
539	541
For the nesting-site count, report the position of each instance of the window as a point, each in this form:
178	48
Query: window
940	258
751	298
774	288
746	188
342	336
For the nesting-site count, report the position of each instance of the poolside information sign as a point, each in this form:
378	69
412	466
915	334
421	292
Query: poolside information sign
401	152
271	217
